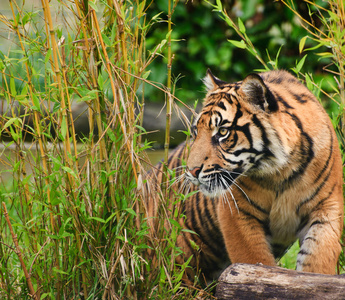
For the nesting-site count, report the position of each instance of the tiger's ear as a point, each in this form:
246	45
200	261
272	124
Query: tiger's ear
211	81
254	91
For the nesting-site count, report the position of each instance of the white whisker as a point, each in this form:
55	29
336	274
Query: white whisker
228	190
228	173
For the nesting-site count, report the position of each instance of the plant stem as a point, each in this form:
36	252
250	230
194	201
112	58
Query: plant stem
19	254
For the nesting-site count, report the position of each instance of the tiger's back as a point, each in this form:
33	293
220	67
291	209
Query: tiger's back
266	160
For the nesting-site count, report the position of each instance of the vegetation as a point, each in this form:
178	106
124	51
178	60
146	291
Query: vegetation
73	223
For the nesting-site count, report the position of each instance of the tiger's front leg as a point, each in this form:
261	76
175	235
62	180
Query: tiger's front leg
320	246
244	236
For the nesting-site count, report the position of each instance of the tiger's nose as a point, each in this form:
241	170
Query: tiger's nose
195	172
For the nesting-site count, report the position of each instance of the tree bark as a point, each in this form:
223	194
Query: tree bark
244	281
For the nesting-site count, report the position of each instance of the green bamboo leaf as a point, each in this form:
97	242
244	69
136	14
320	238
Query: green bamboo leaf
26	18
175	223
111	217
219	5
63	131
300	64
111	135
13	87
69	171
11	121
93	6
131	211
97	219
60	271
45	295
106	40
100	81
302	43
189	231
146	74
238	44
325	54
320	44
141	128
36	103
46	58
241	26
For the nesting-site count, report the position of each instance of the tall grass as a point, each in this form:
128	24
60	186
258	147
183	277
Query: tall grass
73	224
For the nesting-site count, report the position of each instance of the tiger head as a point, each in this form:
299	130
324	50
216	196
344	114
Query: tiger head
233	135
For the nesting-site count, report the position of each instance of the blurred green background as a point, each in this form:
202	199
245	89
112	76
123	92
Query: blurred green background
200	41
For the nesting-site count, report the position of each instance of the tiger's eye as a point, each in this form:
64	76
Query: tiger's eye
223	131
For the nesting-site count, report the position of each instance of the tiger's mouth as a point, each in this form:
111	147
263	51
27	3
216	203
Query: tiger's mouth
215	184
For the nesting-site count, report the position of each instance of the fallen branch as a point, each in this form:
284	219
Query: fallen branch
244	281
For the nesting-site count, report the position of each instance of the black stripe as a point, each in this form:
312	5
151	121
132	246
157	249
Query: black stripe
328	158
256	206
245	130
227	97
213	232
317	206
209	104
305	151
244	186
201	227
221	105
281	100
263	224
310	239
192	209
303	222
238	114
312	197
317	222
277	80
259	125
303	264
303	252
220	117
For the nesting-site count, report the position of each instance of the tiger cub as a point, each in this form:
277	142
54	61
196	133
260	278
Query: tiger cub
267	167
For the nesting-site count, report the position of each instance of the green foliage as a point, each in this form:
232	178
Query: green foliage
204	38
76	203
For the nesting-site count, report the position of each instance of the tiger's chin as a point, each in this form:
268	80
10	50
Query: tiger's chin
212	192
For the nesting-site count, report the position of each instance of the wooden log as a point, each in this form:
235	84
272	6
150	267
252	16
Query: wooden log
244	281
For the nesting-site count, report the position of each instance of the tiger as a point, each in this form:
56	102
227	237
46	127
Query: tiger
263	169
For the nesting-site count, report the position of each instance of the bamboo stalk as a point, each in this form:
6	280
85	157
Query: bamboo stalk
19	254
169	98
36	114
88	55
69	120
64	108
70	182
98	111
37	124
116	103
